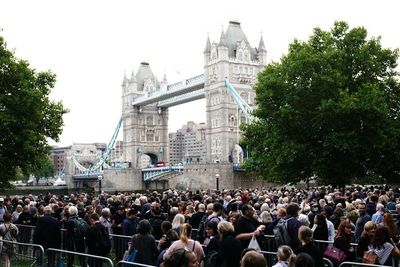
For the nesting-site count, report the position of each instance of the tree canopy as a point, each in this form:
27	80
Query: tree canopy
329	109
28	118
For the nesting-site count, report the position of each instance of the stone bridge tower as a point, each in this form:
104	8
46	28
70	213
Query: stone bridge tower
145	128
233	58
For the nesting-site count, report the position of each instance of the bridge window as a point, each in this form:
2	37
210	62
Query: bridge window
150	137
157	138
149	120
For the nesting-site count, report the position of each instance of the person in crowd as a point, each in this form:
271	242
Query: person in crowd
304	260
197	216
25	225
377	217
383	246
285	257
177	222
9	232
253	259
181	258
16	213
98	241
335	218
363	218
145	244
320	228
391	225
365	240
371	205
74	239
130	223
307	246
201	233
47	233
186	242
229	249
313	212
212	238
106	219
156	218
247	226
343	239
293	224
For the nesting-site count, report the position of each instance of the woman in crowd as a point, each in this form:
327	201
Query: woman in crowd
9	232
145	244
307	246
391	225
187	243
181	258
177	222
335	218
383	246
229	249
212	239
320	228
285	256
365	239
343	239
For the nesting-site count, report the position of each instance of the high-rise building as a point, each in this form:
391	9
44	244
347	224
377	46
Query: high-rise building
188	144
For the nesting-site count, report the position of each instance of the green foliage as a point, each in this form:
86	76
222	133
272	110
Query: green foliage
329	109
46	170
27	116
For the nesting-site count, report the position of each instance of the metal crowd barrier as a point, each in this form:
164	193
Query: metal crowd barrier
58	257
25	233
322	244
134	264
327	263
119	246
355	264
271	244
270	257
21	254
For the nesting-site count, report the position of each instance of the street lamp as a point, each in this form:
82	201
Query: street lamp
217	180
100	177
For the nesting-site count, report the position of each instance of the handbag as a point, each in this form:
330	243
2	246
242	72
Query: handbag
370	257
130	257
334	254
254	244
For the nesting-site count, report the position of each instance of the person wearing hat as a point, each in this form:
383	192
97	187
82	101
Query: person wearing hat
47	232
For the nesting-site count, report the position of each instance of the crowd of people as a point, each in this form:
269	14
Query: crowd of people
213	228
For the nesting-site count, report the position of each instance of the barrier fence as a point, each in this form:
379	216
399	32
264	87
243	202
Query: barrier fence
58	257
21	254
133	264
355	264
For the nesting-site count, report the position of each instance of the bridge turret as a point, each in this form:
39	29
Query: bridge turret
262	53
223	47
207	51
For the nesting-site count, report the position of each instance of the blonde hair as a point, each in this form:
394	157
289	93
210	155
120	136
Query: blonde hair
225	228
178	220
285	253
186	232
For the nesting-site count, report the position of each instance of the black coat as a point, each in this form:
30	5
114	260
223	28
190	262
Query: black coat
47	232
229	252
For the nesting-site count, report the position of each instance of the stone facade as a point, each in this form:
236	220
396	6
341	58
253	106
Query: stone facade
232	58
145	129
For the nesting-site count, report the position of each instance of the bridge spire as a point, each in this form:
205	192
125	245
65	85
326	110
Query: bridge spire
261	46
133	77
222	39
208	46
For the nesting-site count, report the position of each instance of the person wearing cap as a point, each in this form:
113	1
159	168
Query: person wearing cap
47	233
3	209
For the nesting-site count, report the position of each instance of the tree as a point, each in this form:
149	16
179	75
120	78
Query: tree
329	109
28	118
46	170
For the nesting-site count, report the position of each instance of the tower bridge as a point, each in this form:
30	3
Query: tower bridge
231	66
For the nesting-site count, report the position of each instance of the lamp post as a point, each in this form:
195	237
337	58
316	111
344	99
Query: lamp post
100	177
217	180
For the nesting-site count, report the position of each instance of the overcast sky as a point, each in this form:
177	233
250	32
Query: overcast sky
91	44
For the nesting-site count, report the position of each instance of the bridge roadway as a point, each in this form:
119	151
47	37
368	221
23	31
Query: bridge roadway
174	94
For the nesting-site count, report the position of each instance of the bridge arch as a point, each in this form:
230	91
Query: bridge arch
147	159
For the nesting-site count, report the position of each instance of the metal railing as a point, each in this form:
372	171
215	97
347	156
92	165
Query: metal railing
270	257
134	264
119	245
21	254
355	264
58	257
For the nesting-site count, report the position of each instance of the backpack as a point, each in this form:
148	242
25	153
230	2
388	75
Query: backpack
80	228
211	259
281	233
103	241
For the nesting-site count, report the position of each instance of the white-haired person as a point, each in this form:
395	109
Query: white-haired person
177	222
75	239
